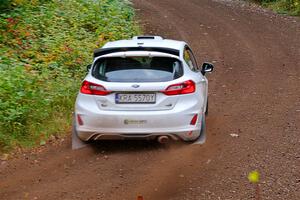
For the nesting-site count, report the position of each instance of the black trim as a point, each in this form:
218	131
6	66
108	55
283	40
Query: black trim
100	52
145	37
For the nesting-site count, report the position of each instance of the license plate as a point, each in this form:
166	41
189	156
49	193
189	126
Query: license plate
135	98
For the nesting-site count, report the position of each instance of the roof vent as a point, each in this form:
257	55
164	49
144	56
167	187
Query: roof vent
147	37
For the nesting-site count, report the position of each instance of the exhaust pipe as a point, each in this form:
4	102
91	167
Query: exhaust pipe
163	139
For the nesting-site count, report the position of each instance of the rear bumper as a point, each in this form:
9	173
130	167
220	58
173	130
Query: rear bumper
100	124
138	125
185	135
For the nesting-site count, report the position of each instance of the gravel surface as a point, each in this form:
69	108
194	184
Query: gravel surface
253	121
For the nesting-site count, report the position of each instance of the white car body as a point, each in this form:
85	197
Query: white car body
182	116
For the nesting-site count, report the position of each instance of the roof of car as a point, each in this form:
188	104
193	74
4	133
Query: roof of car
146	41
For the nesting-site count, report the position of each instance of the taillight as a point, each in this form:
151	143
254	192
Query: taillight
93	89
186	87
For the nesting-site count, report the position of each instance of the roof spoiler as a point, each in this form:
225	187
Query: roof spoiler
147	37
103	51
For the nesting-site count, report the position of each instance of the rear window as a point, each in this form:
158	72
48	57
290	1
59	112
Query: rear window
137	69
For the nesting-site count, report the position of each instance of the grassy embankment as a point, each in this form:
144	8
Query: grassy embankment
45	46
290	7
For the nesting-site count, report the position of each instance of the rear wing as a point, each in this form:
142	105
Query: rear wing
103	51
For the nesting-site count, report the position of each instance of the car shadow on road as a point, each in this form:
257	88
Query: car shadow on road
115	146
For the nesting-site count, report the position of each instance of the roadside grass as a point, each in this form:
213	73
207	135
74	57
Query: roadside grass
45	46
289	7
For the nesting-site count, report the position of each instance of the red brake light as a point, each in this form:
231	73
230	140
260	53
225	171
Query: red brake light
93	89
181	88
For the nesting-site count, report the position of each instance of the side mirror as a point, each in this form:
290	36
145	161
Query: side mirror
207	67
88	67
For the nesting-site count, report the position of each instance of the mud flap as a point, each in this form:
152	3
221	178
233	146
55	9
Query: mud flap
202	137
77	143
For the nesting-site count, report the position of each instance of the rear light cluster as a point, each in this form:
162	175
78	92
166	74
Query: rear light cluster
186	87
94	89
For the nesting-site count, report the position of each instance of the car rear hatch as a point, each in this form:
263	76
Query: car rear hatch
136	82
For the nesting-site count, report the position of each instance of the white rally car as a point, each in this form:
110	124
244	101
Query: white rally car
144	88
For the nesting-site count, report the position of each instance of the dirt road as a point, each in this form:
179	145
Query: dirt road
254	93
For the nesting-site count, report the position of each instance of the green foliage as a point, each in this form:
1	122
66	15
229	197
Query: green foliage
5	5
45	46
291	7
